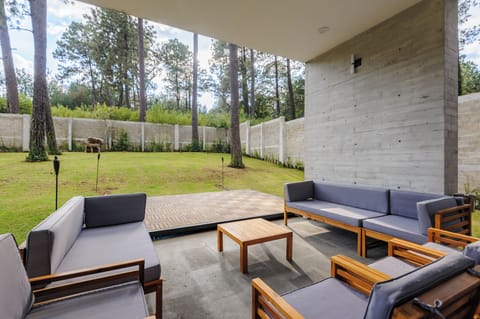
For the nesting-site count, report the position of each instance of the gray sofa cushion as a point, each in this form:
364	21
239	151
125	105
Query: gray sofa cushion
123	301
105	245
50	240
473	251
396	226
345	214
15	293
298	191
404	203
388	294
330	298
364	197
392	266
114	209
445	249
427	209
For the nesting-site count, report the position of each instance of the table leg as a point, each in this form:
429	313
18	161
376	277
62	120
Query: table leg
243	258
219	240
289	246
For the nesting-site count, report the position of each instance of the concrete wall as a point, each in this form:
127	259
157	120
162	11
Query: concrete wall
392	123
468	142
72	133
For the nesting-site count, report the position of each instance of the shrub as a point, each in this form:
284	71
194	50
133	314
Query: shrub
122	143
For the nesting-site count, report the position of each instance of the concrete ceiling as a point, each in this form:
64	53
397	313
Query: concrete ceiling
285	28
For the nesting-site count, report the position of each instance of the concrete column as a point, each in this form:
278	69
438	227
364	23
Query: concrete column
70	132
142	136
281	139
176	137
204	135
247	137
262	142
26	133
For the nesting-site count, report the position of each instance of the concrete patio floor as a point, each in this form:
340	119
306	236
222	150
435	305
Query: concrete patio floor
200	282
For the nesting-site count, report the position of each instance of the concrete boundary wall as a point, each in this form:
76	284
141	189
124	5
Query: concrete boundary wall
72	133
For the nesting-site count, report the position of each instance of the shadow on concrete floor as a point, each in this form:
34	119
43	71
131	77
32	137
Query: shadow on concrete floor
203	283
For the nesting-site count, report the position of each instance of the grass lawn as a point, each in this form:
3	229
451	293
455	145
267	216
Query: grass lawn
27	190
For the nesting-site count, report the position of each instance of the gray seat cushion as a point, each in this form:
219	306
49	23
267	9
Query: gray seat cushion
473	251
364	197
426	211
392	266
404	203
330	298
105	245
15	292
388	294
122	301
446	249
396	226
346	214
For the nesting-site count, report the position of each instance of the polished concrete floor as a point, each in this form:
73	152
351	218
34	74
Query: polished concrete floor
201	282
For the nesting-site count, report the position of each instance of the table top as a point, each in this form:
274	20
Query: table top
253	229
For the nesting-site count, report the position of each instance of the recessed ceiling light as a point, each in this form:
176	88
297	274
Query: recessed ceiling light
323	29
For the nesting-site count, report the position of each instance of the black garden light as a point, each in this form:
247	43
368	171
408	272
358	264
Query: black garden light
56	167
98	163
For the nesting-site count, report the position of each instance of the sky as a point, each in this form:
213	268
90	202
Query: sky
61	15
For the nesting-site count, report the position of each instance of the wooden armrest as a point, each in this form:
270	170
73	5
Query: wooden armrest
413	253
265	299
456	219
449	238
359	276
63	290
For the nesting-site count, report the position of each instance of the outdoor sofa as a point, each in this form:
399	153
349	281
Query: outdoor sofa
439	284
376	212
76	300
91	232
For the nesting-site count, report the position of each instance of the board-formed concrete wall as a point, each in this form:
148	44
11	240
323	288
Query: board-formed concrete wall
393	123
468	142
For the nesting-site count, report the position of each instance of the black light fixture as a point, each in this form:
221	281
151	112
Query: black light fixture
98	163
56	167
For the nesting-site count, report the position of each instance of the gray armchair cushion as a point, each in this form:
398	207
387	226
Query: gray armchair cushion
124	301
392	266
427	209
364	197
388	294
105	245
445	249
114	209
50	240
473	251
396	226
404	203
330	298
15	292
298	191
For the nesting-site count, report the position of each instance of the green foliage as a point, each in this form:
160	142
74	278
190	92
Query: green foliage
123	142
469	81
472	191
25	104
219	147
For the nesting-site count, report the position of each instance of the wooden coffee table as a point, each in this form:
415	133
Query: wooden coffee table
253	231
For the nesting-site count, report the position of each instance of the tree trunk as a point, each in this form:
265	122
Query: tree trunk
195	140
277	93
141	67
236	146
9	69
92	81
38	9
252	84
243	69
291	99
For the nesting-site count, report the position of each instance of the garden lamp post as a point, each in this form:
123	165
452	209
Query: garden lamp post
56	167
98	163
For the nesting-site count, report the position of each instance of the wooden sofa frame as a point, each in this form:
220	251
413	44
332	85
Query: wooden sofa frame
362	278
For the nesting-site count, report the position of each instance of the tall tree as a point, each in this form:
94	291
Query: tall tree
291	98
243	70
195	141
220	79
141	67
277	92
235	143
252	83
9	69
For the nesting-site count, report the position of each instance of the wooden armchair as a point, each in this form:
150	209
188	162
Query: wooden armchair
355	290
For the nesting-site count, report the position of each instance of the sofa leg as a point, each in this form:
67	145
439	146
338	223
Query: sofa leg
285	218
359	243
159	300
364	245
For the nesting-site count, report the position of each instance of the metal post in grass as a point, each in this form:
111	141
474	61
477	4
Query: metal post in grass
56	167
223	186
98	164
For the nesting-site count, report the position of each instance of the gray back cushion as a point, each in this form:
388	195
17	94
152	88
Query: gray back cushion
404	203
365	197
298	191
426	211
112	210
473	251
386	295
15	293
51	240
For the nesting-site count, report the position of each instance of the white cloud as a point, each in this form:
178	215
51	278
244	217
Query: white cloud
75	11
22	63
56	30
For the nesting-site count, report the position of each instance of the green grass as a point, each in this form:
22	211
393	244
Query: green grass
27	190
